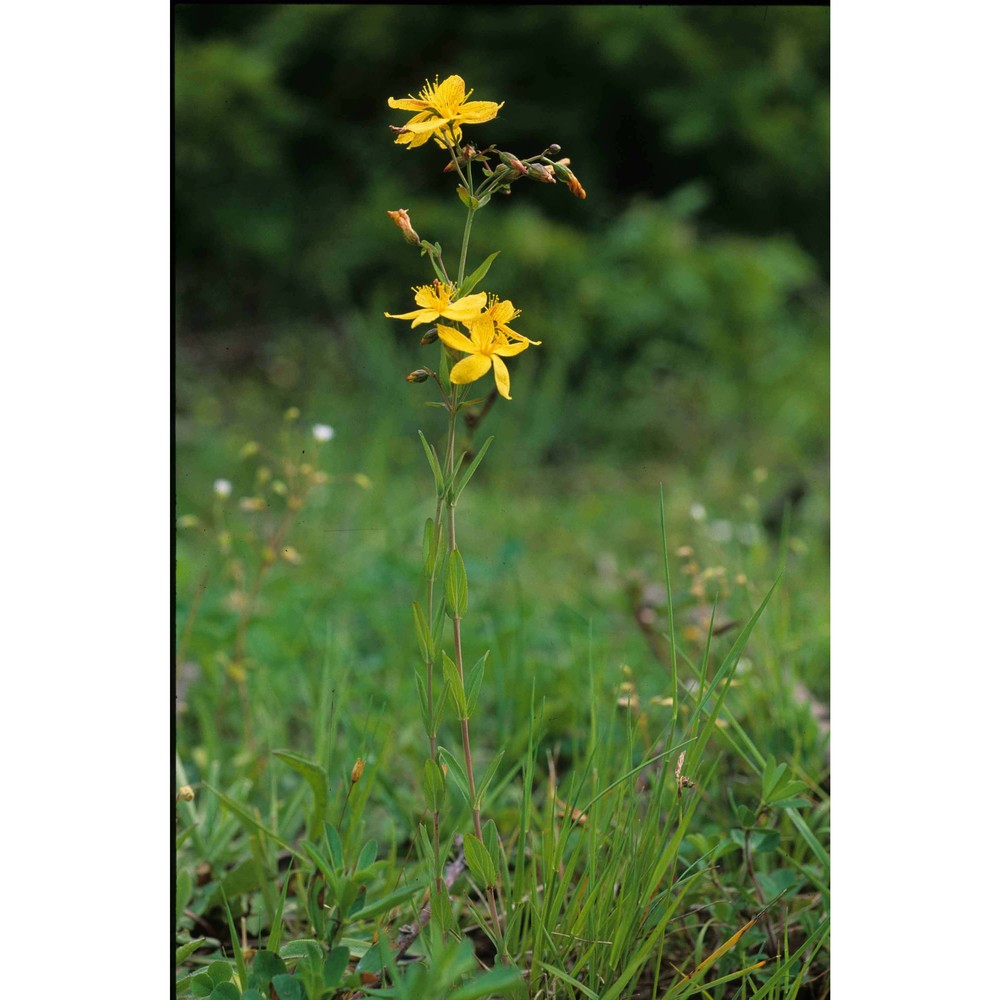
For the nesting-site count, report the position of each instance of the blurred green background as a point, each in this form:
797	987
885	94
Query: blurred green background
683	306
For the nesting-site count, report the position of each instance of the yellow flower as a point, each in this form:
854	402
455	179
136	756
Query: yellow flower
435	303
441	111
502	313
485	347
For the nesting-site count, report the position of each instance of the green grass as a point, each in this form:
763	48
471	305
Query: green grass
617	878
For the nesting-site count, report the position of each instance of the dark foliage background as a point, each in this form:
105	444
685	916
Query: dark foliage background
683	306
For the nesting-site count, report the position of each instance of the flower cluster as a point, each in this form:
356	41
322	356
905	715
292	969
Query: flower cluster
490	337
440	112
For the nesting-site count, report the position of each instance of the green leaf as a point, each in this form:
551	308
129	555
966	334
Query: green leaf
253	994
277	925
310	966
475	682
243	814
367	856
335	847
480	863
202	985
432	460
288	988
490	774
318	781
225	991
265	966
431	540
454	683
480	272
186	950
468	200
388	901
322	865
423	632
501	979
457	585
336	963
183	894
440	911
457	773
219	972
241	965
433	785
491	841
473	465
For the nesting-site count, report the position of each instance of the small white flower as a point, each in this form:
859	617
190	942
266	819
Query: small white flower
222	487
720	531
322	432
698	512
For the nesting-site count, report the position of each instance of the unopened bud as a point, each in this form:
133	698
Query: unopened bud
252	504
568	178
420	375
292	413
186	792
402	219
541	172
429	337
513	162
357	770
553	149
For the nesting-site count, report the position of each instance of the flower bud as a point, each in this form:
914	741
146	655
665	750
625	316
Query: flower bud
429	337
554	149
569	178
357	770
541	172
420	375
508	159
251	505
402	219
186	792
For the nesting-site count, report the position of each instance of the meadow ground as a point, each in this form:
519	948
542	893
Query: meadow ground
622	869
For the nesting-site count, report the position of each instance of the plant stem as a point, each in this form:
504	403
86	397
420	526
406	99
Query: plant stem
465	246
466	740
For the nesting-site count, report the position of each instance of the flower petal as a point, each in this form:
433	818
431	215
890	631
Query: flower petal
509	350
482	332
466	308
477	112
408	104
455	340
427	125
449	94
502	376
418	316
470	368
